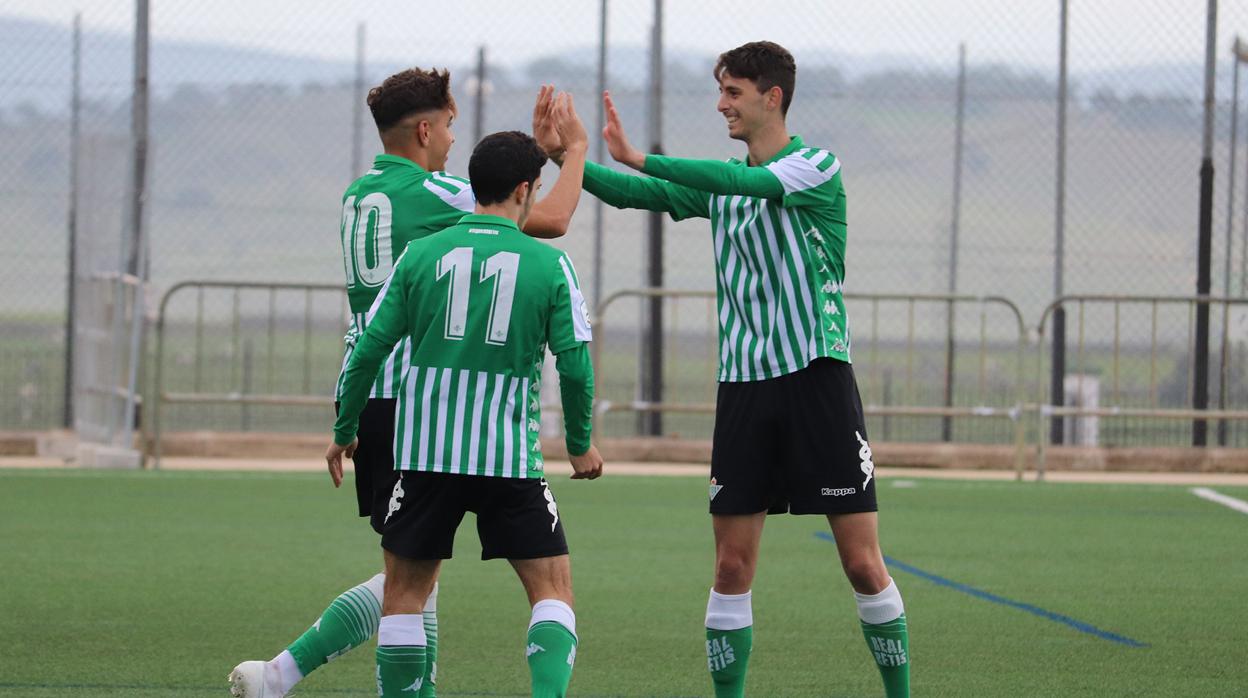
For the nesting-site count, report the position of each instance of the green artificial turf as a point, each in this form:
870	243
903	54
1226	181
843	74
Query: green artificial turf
156	584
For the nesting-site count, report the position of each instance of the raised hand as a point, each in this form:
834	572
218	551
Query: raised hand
544	123
568	124
617	143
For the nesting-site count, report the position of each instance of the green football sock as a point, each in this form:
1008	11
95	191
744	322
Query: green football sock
890	645
728	656
551	652
348	622
400	670
429	690
729	641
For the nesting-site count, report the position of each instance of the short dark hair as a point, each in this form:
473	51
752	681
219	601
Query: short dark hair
765	63
409	92
500	162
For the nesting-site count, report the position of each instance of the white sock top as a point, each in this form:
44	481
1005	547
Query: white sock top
403	629
883	607
729	611
431	603
288	673
555	611
376	586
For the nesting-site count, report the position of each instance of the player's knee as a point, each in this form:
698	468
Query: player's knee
866	573
733	572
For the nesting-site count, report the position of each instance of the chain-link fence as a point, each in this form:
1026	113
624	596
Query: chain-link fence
257	124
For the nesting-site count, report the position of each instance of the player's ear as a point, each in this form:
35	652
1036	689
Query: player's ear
422	132
775	97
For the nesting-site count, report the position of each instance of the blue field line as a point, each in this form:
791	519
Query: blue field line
989	596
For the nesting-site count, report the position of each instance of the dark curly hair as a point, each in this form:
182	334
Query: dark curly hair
765	63
500	162
409	92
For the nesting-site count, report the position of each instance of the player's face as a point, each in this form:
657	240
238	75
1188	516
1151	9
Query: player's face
441	138
742	105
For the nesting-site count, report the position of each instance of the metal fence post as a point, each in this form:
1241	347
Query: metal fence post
946	425
75	132
1204	245
357	106
1057	388
651	423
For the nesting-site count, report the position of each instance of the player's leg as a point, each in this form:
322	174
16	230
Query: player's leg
880	608
401	639
551	641
351	618
519	520
424	511
831	473
741	493
375	481
729	612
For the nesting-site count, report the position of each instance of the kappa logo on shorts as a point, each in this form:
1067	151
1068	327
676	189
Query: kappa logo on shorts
715	488
550	505
396	500
838	491
864	453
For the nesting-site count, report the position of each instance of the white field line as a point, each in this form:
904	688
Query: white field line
1237	504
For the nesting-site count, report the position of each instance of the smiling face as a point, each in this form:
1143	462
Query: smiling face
745	108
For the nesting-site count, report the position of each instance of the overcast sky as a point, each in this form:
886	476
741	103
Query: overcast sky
1105	33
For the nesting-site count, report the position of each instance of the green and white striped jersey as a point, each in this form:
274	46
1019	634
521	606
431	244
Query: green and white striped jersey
395	202
477	305
778	233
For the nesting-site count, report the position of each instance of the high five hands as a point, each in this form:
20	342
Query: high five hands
617	143
556	125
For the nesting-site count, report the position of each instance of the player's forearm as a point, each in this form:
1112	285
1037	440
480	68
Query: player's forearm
625	191
552	216
716	177
576	390
357	383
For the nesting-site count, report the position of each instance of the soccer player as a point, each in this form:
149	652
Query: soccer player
404	196
478	304
789	432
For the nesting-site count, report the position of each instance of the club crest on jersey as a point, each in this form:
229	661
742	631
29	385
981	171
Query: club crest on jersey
715	488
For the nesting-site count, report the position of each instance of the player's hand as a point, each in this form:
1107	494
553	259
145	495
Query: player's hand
544	123
333	458
617	143
572	135
587	466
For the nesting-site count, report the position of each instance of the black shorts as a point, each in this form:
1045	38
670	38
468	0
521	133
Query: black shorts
796	443
374	459
517	518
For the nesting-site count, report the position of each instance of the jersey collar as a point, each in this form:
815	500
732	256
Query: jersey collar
490	220
794	143
395	160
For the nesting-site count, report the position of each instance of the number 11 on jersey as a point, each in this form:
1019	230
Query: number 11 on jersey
502	268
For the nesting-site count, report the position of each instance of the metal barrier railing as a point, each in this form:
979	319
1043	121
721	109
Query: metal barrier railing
1016	331
1006	334
161	398
1114	345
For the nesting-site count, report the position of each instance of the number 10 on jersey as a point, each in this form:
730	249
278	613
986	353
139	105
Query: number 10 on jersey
501	268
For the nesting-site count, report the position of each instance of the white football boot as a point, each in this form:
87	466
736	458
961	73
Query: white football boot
256	679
